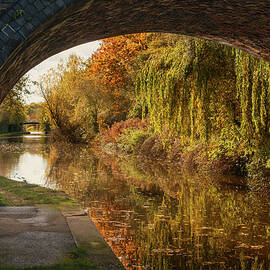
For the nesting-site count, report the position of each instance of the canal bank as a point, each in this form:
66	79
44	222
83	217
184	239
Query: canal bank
57	234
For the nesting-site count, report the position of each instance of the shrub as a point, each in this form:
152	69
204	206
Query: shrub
132	139
118	129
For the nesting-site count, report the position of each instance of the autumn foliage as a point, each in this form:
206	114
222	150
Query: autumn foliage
118	128
111	66
112	63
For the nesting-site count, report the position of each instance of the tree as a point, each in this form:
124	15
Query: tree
111	67
33	112
72	101
12	110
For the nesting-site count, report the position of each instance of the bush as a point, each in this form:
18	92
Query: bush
118	129
132	139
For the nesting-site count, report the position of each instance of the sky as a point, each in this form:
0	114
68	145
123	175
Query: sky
84	51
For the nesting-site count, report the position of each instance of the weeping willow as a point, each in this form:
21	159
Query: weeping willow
198	91
177	85
253	77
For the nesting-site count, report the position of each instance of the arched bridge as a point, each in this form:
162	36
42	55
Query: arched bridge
31	123
33	30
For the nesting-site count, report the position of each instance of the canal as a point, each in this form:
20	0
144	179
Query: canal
152	215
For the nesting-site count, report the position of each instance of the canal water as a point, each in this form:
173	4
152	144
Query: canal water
153	216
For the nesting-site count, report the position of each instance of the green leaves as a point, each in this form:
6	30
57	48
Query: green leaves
200	91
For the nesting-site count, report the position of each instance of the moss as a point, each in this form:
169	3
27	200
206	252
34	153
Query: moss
77	259
30	194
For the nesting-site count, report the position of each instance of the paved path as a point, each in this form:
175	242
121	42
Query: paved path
42	235
86	234
32	236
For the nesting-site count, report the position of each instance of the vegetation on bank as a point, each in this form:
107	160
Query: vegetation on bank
13	109
77	259
207	102
13	193
14	112
141	143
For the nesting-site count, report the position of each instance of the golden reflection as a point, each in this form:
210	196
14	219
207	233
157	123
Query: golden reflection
154	217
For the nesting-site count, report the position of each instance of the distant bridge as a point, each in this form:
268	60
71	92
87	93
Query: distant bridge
33	30
31	123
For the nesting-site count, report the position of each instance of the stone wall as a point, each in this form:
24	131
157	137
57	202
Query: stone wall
33	30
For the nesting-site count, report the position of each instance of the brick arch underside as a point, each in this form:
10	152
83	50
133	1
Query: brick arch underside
243	24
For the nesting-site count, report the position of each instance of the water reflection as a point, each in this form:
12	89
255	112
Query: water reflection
24	158
155	217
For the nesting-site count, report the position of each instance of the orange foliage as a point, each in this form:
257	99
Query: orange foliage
112	62
110	68
118	128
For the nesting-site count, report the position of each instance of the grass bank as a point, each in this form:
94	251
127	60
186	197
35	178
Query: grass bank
10	134
14	193
77	259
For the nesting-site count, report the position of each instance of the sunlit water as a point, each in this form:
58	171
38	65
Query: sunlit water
153	216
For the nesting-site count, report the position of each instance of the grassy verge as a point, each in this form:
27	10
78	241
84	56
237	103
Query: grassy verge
3	201
77	259
12	134
13	193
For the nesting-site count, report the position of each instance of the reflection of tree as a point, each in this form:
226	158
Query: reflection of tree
211	224
10	153
197	224
8	162
87	179
70	168
12	150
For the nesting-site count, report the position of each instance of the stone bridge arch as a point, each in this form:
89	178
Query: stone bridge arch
33	30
